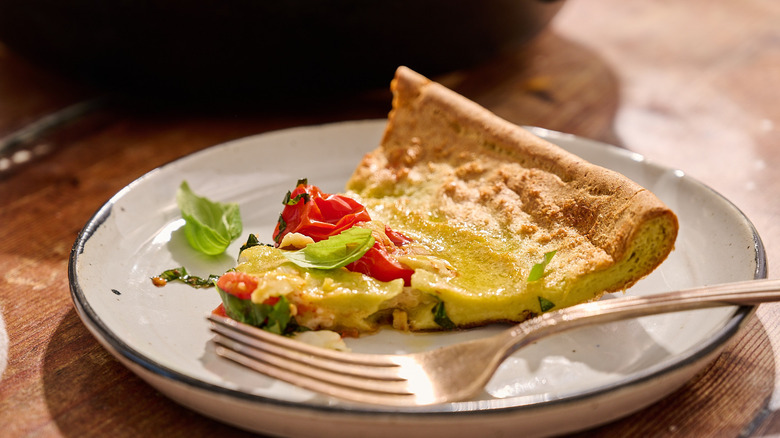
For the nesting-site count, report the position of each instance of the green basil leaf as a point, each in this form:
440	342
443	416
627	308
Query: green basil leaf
545	304
335	252
278	316
537	271
293	201
440	316
282	227
209	226
251	241
274	318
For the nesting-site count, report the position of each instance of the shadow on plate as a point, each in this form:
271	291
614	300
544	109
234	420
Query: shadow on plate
89	393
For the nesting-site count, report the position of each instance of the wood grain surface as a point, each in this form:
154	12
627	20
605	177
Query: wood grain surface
693	85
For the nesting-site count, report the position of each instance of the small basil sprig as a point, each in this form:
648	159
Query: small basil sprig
209	226
537	271
545	304
335	252
181	274
279	317
293	201
440	316
251	241
275	318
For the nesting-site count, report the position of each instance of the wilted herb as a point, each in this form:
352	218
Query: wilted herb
181	274
440	316
545	304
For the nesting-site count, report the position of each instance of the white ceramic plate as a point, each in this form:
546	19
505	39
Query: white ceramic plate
567	382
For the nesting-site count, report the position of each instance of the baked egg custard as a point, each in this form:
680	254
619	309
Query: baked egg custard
458	219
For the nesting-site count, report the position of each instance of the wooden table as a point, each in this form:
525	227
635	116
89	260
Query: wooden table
692	85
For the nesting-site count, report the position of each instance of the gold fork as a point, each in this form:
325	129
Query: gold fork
456	372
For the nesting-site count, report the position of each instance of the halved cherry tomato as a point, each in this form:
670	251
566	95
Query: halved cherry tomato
271	301
319	215
238	284
397	238
380	264
220	310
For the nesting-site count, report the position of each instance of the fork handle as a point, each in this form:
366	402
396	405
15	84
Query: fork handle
745	293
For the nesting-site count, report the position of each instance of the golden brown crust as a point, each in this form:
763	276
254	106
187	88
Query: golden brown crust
519	174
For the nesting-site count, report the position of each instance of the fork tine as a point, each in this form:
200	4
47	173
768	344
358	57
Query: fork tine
316	385
266	351
362	383
294	371
288	344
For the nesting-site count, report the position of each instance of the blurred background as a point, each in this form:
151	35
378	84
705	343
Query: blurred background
245	49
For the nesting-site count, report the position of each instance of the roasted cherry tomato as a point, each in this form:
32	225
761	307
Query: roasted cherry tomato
318	215
271	301
238	284
220	310
397	238
380	264
309	211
